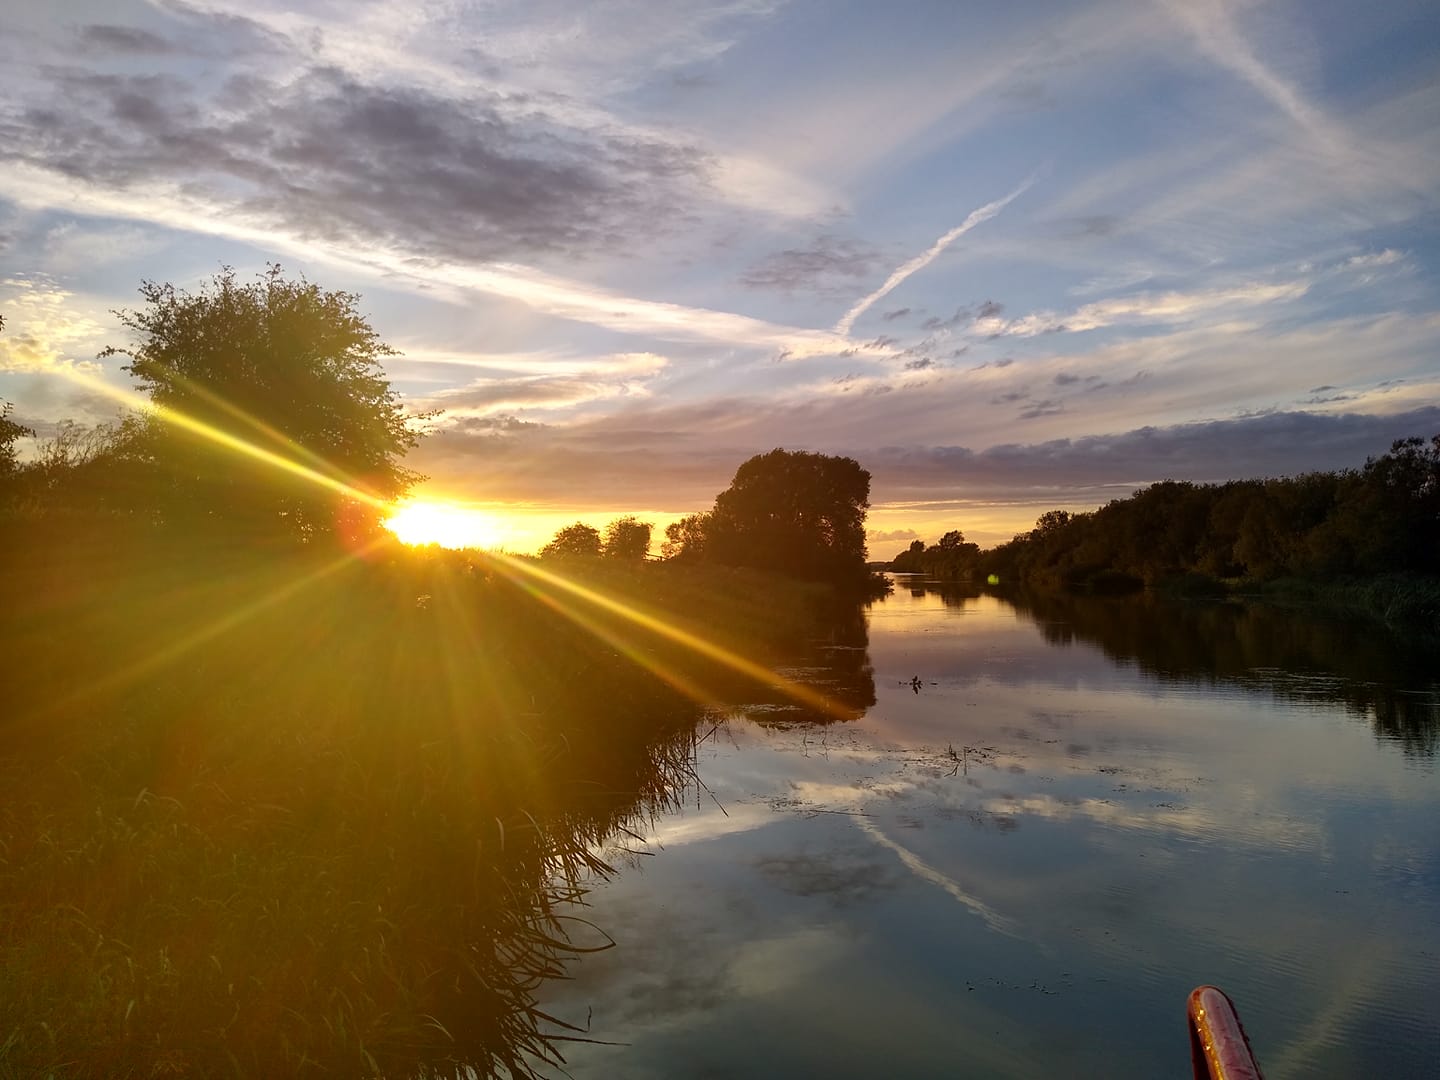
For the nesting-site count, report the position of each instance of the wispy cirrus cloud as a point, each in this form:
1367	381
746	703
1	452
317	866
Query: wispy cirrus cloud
1166	308
600	379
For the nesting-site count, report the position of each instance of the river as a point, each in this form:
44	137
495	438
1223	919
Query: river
1056	818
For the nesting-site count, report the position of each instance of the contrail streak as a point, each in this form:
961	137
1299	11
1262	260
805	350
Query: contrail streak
985	213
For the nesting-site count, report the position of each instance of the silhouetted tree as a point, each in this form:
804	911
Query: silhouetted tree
685	539
280	365
951	559
10	433
627	538
578	541
795	512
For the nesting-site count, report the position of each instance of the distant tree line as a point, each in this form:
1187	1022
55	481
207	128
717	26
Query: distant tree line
1382	518
626	539
952	559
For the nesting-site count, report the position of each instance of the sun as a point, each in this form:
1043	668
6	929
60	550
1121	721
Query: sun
445	524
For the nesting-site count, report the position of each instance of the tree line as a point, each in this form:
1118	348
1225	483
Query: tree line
1382	518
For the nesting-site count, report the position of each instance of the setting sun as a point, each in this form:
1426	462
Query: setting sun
445	524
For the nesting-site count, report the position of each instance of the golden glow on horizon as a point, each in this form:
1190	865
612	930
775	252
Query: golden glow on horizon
446	524
434	520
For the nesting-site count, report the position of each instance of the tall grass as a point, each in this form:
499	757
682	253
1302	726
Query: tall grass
311	816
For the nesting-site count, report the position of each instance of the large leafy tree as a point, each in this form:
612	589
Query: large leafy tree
578	541
628	538
281	366
795	512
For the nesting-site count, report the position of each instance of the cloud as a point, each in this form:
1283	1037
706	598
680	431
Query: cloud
1273	444
108	39
43	329
328	157
925	258
1217	34
1388	257
618	376
898	313
826	265
1042	408
883	536
71	247
1170	308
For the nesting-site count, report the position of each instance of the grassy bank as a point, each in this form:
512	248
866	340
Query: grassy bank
1403	601
318	814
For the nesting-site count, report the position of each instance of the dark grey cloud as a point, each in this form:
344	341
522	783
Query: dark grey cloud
826	265
898	313
841	878
1048	407
492	426
961	316
1066	379
1097	225
1271	444
329	157
990	309
106	38
919	363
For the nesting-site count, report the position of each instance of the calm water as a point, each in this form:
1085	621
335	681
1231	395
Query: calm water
1021	868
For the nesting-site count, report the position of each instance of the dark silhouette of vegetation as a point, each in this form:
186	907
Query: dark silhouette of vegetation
286	367
794	513
685	539
1372	535
627	538
952	559
578	541
10	434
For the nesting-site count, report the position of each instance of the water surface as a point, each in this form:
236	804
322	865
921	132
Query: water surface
1055	819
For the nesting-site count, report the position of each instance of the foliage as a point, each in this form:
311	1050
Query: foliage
10	433
282	366
951	559
1383	518
795	513
685	539
578	541
627	538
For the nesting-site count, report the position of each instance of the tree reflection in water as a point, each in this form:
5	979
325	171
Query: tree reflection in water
1382	677
837	665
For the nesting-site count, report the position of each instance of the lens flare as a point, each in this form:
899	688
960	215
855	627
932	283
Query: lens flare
445	524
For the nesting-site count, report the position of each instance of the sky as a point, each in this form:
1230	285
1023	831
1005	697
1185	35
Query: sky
1009	257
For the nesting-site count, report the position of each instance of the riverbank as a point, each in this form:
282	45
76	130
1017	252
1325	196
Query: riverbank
314	813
